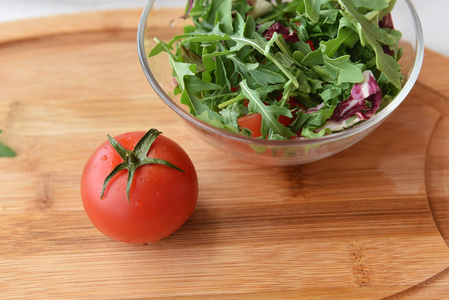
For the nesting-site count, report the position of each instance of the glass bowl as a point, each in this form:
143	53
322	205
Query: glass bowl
161	19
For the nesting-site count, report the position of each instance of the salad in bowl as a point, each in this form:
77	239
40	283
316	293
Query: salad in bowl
286	82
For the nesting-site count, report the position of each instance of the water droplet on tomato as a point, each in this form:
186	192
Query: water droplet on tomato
104	157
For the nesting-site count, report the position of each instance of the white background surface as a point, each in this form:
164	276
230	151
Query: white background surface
433	14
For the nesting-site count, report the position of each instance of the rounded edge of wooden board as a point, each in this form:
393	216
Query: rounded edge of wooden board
108	20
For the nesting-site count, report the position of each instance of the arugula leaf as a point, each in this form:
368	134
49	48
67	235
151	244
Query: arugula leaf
5	151
345	37
193	85
263	48
189	84
179	69
212	10
312	9
330	93
339	70
220	76
370	4
313	120
192	58
224	16
265	77
306	132
371	35
313	58
377	15
270	114
342	70
211	119
230	115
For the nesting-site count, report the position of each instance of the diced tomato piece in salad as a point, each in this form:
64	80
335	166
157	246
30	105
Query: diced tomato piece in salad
310	43
252	122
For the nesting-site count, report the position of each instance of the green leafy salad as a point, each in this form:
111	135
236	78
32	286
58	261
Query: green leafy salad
282	70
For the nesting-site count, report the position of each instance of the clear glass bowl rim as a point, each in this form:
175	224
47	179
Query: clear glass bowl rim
370	123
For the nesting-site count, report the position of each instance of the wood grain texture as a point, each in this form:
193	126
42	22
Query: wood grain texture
357	225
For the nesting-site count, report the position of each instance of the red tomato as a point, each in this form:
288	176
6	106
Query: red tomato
312	47
161	198
252	122
286	121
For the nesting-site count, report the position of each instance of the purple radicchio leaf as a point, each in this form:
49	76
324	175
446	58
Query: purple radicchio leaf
355	105
315	109
387	50
284	31
386	22
189	8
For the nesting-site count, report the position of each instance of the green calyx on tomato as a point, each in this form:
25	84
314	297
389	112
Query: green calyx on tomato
133	159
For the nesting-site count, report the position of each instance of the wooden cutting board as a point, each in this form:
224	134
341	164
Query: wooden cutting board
368	223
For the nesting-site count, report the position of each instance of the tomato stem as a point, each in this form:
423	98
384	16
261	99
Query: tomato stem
132	160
